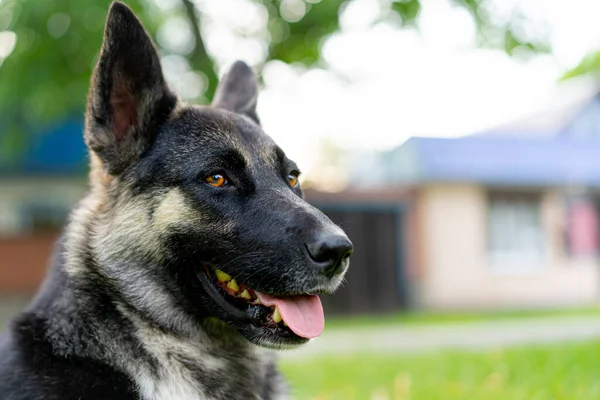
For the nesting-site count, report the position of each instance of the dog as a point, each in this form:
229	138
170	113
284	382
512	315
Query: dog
191	258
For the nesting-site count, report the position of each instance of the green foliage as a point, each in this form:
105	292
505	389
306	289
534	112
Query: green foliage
300	41
48	72
589	65
407	9
506	35
559	372
46	77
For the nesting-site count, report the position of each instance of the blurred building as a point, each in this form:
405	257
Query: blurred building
502	219
38	188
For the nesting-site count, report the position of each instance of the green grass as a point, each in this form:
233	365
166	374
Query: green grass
561	372
435	318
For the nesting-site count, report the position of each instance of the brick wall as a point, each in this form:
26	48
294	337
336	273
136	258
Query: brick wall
23	261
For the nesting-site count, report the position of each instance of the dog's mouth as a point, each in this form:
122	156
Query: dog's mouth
290	319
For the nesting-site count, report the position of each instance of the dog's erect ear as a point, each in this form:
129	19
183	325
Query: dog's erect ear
128	97
238	91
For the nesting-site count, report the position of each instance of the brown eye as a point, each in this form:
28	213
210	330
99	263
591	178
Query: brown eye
216	180
293	179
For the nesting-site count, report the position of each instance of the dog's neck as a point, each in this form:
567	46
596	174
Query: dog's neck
189	367
162	363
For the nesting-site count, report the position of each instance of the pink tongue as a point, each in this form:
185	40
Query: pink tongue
302	314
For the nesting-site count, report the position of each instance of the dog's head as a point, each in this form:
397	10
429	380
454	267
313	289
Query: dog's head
200	215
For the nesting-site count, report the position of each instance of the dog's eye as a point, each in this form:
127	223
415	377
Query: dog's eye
216	180
293	179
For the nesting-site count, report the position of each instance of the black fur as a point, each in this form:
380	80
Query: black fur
128	96
128	309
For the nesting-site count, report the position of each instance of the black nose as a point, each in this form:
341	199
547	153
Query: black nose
329	253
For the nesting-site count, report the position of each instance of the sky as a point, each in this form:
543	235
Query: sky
378	84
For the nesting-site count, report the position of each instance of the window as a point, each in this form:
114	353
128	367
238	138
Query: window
582	228
515	235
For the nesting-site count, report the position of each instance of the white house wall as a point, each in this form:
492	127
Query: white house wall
458	273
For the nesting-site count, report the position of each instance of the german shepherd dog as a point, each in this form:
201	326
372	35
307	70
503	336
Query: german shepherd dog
193	254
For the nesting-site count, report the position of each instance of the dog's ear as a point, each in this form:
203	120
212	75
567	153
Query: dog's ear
128	97
238	91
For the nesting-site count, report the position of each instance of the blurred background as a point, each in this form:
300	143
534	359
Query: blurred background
456	141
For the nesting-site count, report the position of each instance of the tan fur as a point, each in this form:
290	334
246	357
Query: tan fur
99	178
126	229
172	381
174	210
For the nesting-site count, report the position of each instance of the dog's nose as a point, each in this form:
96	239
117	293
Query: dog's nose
329	253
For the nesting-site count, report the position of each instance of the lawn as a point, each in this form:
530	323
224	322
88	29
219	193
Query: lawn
558	372
437	318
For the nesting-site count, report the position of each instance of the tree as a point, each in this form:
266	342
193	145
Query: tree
46	76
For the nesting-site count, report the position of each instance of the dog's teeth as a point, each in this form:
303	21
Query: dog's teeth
232	284
257	301
222	276
245	295
276	316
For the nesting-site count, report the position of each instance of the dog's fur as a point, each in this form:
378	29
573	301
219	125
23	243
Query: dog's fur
122	313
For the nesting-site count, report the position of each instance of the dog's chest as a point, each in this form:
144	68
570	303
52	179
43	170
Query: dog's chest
169	387
170	378
178	382
190	371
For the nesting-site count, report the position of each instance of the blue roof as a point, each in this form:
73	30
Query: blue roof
57	150
497	161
